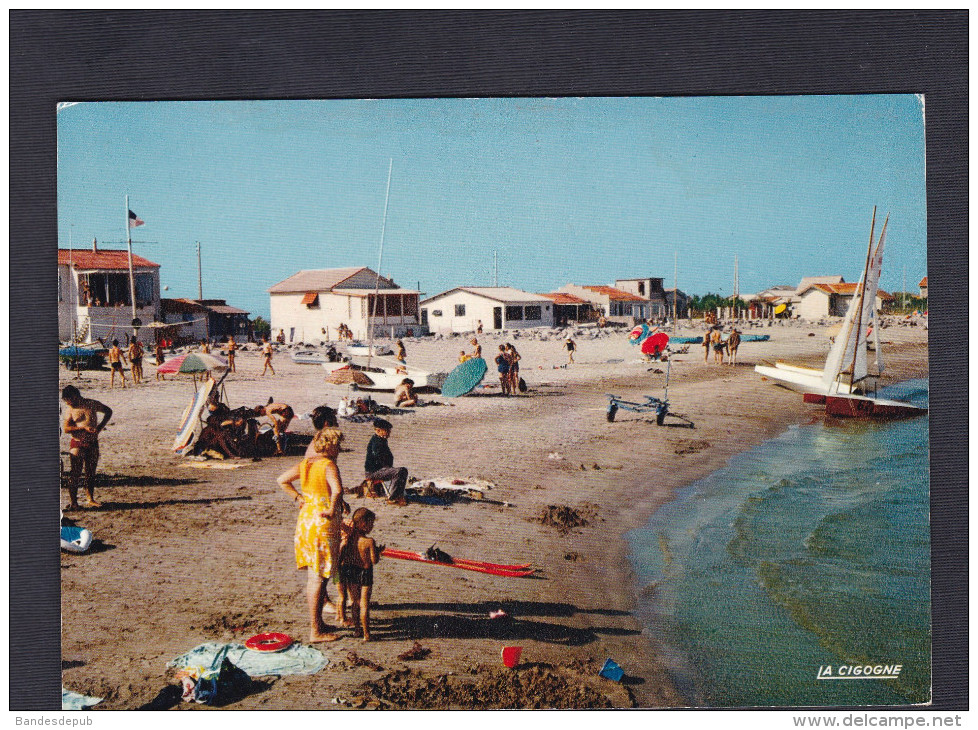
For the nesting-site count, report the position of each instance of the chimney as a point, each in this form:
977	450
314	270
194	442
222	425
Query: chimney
94	245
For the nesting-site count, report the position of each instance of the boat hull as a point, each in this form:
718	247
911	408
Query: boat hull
388	378
858	406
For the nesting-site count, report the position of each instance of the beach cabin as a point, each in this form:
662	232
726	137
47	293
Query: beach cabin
616	305
569	309
94	299
832	300
310	306
497	307
199	319
651	290
682	302
923	288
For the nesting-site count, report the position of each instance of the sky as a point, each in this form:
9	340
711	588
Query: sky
568	190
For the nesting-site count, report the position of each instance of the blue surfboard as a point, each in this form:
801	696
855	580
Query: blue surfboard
464	378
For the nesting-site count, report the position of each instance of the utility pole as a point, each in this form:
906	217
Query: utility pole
736	288
132	277
200	280
675	290
495	270
904	290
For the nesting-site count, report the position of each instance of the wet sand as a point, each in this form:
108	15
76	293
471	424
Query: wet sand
189	555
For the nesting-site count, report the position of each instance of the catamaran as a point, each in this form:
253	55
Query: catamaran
842	385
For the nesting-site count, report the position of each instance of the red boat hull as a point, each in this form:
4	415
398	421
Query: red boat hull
848	407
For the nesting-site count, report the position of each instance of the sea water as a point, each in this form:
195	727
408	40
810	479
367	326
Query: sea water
810	551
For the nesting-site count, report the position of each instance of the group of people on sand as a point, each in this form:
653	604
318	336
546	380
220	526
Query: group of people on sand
327	546
508	367
135	352
713	341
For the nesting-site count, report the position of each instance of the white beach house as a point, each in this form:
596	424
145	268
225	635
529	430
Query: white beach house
819	300
94	299
310	306
616	304
497	307
651	290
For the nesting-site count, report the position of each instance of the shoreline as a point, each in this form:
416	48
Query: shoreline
580	609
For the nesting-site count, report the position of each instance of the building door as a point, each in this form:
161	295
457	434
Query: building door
424	317
497	318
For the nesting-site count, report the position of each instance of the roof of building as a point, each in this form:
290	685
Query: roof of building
102	260
323	280
809	281
559	297
846	290
502	294
923	282
183	304
615	294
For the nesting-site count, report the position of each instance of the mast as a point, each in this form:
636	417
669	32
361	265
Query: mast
380	259
200	280
862	294
495	270
132	277
736	288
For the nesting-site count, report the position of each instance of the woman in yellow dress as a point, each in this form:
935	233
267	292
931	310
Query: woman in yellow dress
317	532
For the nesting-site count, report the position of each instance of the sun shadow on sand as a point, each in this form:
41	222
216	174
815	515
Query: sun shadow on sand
141	480
471	621
109	506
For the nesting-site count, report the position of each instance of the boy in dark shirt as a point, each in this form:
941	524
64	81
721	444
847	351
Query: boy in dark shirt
379	464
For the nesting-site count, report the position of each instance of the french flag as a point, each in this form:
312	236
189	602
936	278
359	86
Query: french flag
135	220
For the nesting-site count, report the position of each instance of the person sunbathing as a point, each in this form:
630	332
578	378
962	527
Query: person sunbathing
404	394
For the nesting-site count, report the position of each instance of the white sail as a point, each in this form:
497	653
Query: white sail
848	354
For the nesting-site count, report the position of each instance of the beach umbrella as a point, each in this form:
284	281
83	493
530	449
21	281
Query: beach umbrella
655	344
192	363
464	378
347	375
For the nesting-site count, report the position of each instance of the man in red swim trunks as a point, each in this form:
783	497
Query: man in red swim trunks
81	423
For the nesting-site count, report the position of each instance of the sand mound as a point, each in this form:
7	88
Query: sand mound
535	686
566	518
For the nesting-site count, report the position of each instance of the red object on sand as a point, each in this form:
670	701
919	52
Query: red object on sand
817	398
655	344
511	655
506	571
271	641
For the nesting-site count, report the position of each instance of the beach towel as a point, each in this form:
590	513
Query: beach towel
297	659
74	701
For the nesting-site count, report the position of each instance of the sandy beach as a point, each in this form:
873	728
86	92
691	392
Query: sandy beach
187	555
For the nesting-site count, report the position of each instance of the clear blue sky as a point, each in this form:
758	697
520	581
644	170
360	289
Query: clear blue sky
565	190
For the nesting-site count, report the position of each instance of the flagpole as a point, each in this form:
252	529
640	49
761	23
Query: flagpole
132	277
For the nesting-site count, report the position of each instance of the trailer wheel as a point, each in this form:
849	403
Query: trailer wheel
612	410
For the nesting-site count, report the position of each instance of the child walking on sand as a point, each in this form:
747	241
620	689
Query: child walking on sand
358	556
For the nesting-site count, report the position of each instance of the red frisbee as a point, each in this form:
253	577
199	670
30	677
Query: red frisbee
655	344
271	641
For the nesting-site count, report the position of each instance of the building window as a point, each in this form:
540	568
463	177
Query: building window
533	312
641	288
514	313
436	313
459	310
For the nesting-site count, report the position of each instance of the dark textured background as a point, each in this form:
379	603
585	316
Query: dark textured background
91	55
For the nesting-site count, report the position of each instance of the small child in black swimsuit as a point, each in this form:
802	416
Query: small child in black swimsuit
358	555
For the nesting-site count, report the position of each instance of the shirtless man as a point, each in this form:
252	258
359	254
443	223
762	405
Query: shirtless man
477	352
718	345
232	348
81	423
135	351
266	353
281	415
404	394
115	358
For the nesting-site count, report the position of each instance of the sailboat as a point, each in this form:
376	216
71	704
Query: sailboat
841	385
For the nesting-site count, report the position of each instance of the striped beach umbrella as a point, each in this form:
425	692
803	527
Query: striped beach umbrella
192	363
